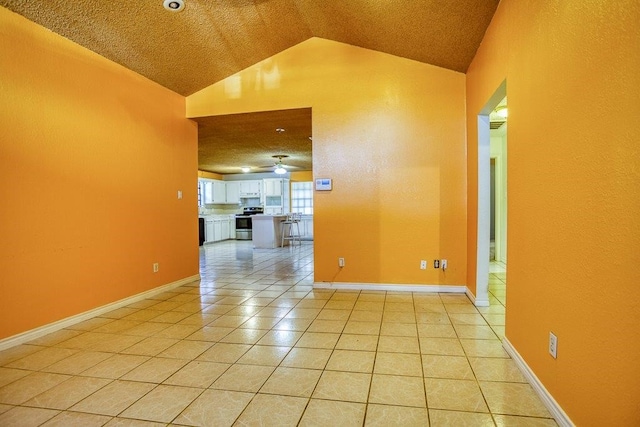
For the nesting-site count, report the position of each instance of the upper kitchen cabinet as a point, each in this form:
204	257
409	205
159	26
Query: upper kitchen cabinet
219	192
233	192
213	191
206	191
251	188
273	187
276	196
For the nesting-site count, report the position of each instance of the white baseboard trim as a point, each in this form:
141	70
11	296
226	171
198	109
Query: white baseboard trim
477	302
32	334
454	289
560	416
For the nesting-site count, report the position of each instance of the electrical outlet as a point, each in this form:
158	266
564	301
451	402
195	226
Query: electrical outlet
156	267
340	262
436	263
423	264
553	345
443	264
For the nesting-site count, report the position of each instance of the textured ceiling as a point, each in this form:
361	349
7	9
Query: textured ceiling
251	139
212	39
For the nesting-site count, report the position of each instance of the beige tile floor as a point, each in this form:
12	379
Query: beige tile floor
253	344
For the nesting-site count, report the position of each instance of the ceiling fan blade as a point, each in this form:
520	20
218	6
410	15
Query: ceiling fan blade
277	164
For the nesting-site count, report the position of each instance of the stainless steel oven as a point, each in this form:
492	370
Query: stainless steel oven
243	227
244	224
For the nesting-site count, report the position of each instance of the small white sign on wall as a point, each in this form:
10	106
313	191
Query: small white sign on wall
323	184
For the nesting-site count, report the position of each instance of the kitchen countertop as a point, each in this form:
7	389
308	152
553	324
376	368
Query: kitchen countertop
217	216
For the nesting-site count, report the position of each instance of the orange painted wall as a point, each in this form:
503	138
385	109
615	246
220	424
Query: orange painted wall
209	175
390	133
92	158
573	89
301	176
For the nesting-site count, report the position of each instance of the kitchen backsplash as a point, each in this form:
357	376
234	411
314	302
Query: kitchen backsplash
219	210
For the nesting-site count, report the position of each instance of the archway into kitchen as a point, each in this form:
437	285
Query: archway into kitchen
258	162
492	205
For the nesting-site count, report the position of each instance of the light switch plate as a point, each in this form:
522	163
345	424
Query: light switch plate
553	345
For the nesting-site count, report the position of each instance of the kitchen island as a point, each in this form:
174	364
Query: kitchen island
267	231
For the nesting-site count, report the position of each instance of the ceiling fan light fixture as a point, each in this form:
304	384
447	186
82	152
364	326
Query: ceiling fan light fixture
280	170
174	5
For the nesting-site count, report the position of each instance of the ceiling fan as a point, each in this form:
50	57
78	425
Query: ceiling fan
278	166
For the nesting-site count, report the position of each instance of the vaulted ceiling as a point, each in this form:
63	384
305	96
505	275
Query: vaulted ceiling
210	40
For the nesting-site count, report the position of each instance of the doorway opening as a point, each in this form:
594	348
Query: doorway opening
492	200
250	163
498	203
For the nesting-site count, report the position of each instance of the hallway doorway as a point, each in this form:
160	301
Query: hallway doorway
492	201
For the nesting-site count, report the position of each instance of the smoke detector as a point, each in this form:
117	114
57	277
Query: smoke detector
174	5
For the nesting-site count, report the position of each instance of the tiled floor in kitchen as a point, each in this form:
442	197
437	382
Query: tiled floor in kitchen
253	344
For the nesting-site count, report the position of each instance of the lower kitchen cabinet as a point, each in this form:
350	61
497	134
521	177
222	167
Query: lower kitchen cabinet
274	211
225	234
306	226
219	228
209	233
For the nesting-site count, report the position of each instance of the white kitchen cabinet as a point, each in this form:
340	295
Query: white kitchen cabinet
206	190
217	230
252	188
219	192
209	233
233	191
277	210
276	196
214	191
273	187
219	227
224	233
232	226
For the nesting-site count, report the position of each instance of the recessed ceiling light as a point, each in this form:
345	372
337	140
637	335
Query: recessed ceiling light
279	130
174	5
246	169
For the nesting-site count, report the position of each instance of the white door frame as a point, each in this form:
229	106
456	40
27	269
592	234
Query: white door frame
500	220
501	195
484	208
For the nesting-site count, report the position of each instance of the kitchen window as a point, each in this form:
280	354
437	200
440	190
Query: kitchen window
302	197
